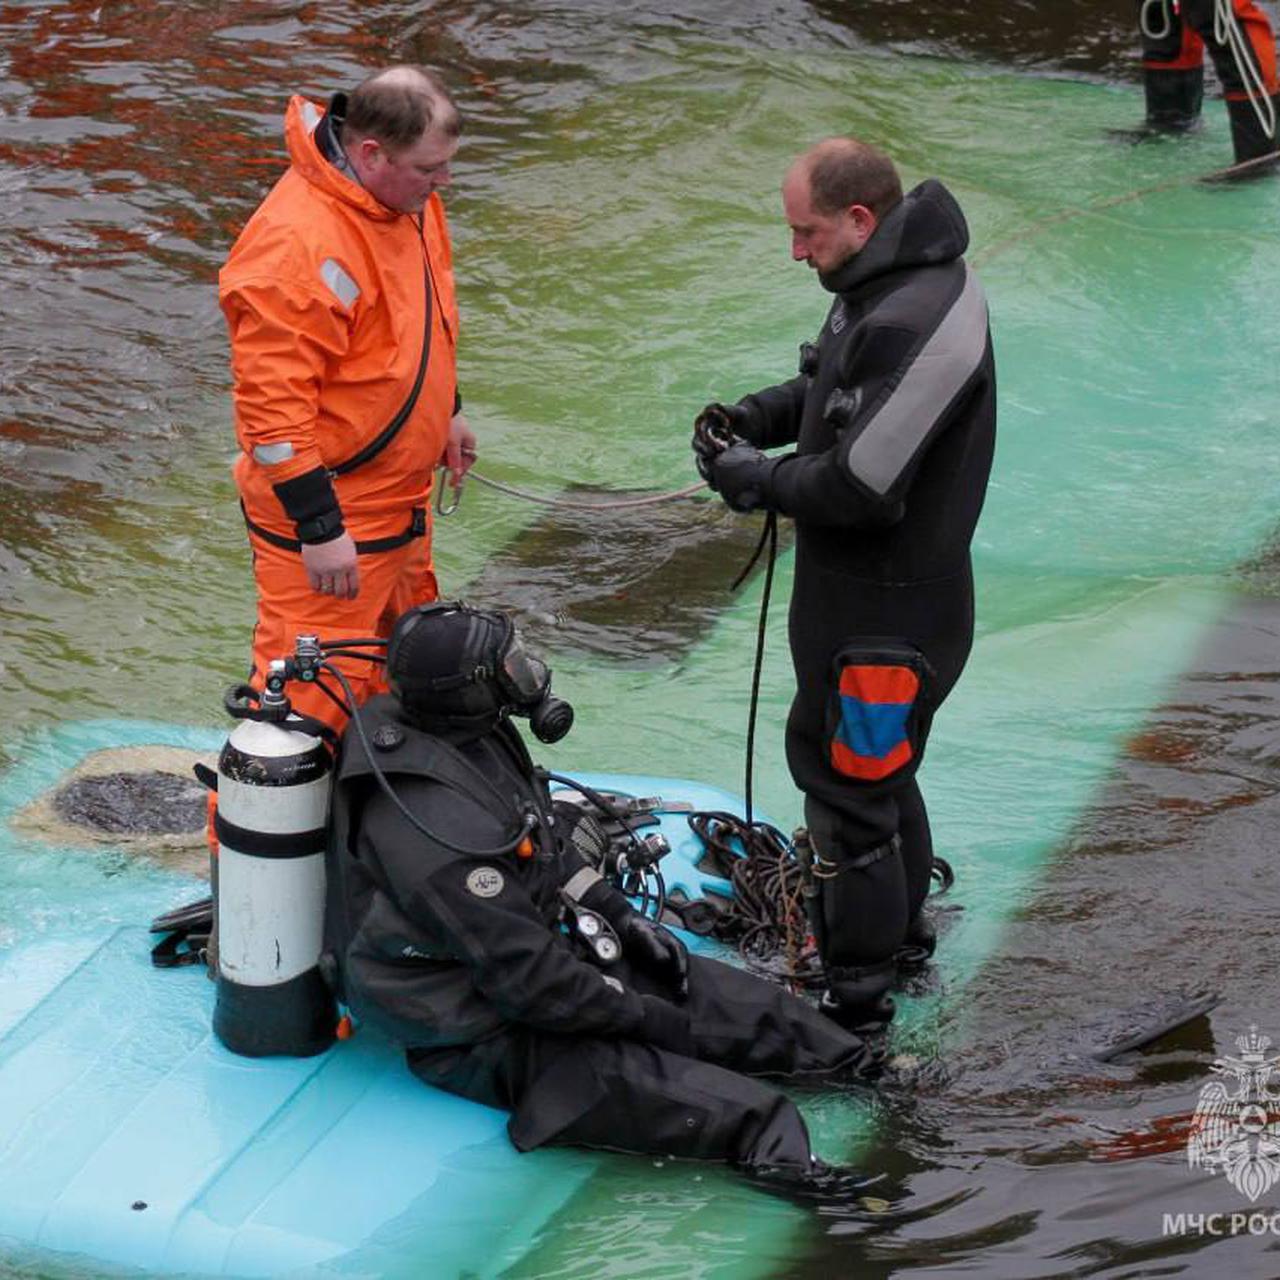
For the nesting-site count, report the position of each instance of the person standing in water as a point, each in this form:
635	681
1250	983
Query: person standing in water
339	298
892	415
1241	42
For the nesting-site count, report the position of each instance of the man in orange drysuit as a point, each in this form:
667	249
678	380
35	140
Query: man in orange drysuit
1174	36
339	298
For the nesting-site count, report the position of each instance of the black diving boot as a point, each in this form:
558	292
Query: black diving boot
835	1188
859	999
1173	98
1249	138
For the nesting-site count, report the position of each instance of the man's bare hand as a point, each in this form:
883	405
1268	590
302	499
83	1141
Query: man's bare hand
332	567
460	451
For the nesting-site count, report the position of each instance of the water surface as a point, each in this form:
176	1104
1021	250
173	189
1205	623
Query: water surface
1103	774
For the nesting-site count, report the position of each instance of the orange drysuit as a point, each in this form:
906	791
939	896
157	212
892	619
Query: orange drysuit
329	297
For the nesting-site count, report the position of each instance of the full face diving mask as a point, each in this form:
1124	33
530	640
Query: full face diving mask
449	663
527	682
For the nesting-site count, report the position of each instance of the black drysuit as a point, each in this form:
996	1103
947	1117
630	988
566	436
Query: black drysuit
463	959
893	418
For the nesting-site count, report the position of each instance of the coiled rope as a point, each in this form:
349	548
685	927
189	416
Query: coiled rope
1144	23
1226	31
765	919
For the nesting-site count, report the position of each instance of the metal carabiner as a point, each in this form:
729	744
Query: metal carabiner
442	475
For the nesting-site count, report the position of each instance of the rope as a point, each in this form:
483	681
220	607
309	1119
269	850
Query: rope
1145	25
573	504
1226	31
1066	215
766	917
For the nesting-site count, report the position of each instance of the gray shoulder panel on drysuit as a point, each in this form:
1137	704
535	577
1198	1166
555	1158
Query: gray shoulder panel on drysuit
888	442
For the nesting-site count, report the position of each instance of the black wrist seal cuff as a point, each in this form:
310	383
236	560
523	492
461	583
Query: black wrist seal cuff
310	502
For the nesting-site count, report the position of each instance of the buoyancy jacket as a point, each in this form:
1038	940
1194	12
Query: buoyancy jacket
439	947
893	411
329	297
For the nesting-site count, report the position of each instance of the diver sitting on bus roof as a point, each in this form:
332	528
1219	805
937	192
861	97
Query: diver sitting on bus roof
465	923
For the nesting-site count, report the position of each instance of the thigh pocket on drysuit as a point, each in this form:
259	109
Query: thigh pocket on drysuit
879	713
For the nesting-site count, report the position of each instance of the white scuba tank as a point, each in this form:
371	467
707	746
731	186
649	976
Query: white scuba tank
273	802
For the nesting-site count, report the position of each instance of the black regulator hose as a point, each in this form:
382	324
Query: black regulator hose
769	538
357	724
610	810
606	806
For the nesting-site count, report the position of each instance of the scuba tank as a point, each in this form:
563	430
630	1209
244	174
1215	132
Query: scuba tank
274	778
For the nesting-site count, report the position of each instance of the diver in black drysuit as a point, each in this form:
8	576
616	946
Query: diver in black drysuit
893	419
464	957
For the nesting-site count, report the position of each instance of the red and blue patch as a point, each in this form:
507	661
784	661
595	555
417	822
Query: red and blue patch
871	739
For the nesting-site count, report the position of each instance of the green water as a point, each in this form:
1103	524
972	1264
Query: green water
622	259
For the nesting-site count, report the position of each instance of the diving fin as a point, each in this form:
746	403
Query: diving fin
188	929
1152	1024
194	915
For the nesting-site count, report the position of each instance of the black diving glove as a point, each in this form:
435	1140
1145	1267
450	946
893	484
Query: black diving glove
743	477
646	946
714	431
654	950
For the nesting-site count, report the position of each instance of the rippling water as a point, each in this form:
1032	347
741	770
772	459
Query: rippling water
621	259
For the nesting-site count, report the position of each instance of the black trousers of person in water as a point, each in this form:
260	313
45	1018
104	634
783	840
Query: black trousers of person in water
1174	38
871	837
626	1095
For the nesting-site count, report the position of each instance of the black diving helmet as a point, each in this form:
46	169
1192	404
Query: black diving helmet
453	667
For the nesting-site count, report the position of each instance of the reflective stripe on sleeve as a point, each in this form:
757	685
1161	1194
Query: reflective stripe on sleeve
344	288
893	435
270	454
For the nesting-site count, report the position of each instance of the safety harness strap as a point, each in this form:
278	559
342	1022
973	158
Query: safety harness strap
371	546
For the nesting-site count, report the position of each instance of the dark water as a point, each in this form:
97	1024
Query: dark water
135	138
1050	1163
1089	38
